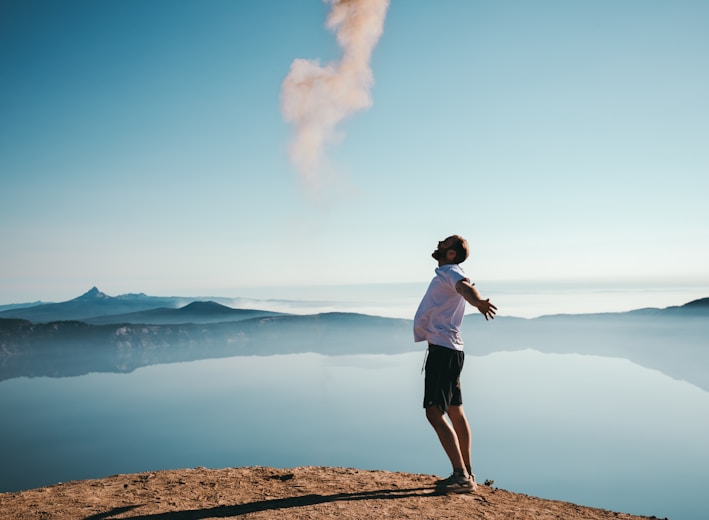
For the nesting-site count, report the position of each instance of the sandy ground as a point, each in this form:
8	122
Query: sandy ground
285	494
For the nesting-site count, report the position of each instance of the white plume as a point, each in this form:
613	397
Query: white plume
315	98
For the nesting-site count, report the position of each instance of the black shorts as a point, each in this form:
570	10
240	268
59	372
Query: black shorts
442	383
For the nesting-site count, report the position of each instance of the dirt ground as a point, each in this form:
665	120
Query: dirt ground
285	494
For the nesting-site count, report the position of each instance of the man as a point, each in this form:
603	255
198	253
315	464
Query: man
437	321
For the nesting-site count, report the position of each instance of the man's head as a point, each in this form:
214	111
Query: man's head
452	250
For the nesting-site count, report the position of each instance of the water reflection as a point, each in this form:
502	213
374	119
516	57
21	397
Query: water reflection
597	431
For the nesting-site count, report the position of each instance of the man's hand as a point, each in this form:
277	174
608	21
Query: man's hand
487	309
472	296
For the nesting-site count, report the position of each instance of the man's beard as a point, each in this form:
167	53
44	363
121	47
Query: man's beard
437	254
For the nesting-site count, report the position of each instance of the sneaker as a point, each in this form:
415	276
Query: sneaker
445	481
457	483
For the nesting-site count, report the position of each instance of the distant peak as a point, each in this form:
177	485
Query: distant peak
702	302
93	294
208	305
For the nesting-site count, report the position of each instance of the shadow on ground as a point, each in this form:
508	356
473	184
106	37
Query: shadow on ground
268	505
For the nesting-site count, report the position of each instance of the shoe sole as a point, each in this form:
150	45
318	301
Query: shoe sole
457	490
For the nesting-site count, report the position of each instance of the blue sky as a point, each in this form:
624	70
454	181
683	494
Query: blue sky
143	149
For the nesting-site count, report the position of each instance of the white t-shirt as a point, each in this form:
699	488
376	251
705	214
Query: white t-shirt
440	313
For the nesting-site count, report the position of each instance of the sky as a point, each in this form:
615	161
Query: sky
144	146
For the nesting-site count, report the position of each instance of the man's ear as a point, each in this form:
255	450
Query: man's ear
450	255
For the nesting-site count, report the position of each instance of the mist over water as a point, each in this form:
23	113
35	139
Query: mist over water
524	298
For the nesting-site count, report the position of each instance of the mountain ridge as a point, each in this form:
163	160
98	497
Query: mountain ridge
672	340
194	312
95	306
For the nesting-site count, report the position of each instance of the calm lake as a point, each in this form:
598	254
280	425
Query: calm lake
596	431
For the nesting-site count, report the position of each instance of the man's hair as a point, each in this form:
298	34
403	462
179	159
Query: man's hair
461	249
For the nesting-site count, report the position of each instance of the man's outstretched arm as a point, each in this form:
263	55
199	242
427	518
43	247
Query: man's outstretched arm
472	296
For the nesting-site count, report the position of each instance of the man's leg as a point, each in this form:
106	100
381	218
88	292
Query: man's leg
448	437
462	432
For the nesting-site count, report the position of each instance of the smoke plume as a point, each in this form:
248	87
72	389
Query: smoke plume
315	98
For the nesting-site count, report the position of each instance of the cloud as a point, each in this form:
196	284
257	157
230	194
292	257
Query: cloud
316	98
